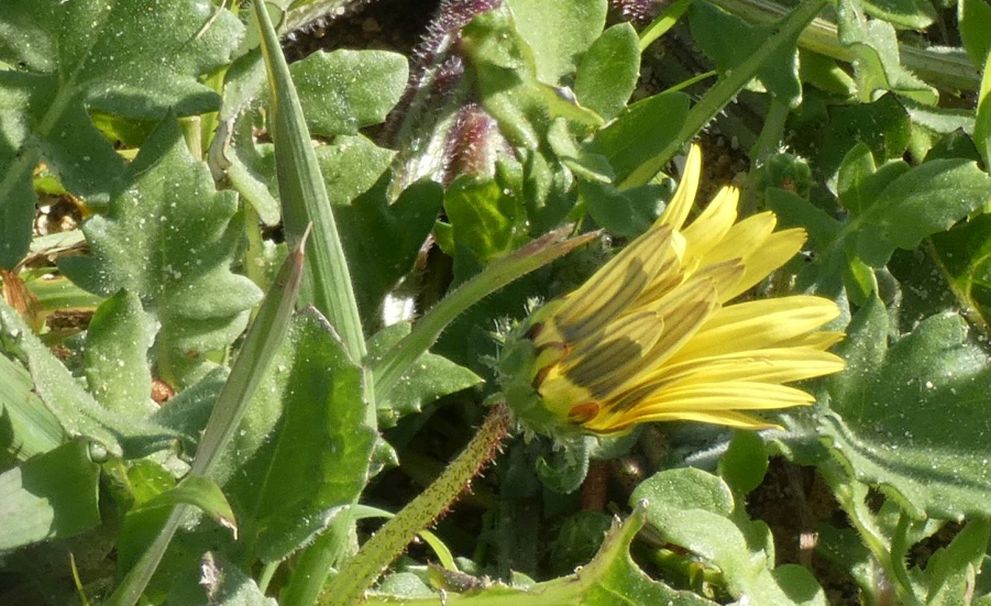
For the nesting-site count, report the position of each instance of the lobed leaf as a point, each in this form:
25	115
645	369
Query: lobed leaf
64	397
910	418
878	66
170	238
692	509
116	355
137	58
345	90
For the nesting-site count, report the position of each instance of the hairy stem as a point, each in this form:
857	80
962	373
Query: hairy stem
386	544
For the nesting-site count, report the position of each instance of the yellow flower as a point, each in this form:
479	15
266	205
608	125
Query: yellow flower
650	336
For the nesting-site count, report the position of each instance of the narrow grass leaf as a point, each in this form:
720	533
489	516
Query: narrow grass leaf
304	197
725	90
263	339
499	273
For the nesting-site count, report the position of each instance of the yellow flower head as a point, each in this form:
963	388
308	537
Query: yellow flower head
650	336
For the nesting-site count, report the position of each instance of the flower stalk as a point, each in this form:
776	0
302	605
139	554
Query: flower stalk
385	545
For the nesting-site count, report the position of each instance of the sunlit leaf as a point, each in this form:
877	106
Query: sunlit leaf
53	495
170	239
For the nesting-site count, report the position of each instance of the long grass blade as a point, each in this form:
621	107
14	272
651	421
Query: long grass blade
262	341
304	197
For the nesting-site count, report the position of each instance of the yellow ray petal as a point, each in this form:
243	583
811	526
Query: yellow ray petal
616	284
712	225
601	363
742	239
681	314
758	324
729	395
681	202
818	340
777	365
777	249
612	424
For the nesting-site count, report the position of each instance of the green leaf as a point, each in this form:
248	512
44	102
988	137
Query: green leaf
147	479
170	239
950	572
883	126
982	122
345	90
611	578
77	412
692	509
505	69
139	59
200	492
382	240
486	220
824	73
939	120
608	72
116	354
744	463
684	489
896	207
51	496
576	543
923	201
964	253
558	32
584	165
973	17
626	213
27	428
730	41
853	177
351	166
251	173
428	378
641	132
218	582
315	460
910	418
878	65
916	14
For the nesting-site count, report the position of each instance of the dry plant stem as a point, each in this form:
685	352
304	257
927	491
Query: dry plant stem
385	545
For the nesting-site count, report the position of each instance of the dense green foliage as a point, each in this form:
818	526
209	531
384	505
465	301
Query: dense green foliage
209	366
